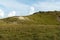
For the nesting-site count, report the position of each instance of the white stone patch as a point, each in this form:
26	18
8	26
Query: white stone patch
23	18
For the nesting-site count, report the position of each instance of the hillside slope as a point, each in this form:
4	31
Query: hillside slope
39	26
44	18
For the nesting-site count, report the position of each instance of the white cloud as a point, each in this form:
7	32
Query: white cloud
19	7
13	13
1	13
32	10
25	9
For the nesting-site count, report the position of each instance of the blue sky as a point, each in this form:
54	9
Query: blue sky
26	7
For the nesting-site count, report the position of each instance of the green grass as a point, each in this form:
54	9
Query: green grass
41	26
45	18
29	32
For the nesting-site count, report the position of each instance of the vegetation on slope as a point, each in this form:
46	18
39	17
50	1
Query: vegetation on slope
42	18
40	26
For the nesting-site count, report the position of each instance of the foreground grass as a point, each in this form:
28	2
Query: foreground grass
29	32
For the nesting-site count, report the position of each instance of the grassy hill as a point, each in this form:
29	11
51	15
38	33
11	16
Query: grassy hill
41	18
39	26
